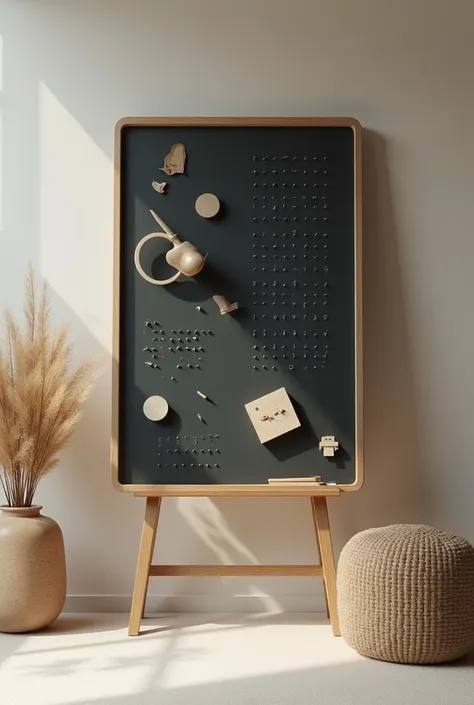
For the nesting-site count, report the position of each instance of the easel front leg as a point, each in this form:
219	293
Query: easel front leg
321	520
145	557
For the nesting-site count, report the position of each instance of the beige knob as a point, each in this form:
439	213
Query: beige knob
207	205
155	408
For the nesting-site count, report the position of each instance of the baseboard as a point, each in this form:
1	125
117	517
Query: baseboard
198	603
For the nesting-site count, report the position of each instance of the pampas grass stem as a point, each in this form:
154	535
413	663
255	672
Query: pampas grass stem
40	399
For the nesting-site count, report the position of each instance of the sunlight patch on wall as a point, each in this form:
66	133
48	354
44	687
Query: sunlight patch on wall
207	522
1	133
1	63
75	213
210	525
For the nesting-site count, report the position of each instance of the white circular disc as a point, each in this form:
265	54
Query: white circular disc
208	205
155	408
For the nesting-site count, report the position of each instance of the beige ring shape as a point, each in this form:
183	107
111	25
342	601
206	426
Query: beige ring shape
155	408
207	205
141	271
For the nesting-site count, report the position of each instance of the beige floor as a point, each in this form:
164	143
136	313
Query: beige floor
206	659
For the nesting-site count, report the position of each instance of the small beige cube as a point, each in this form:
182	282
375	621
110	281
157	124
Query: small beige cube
272	415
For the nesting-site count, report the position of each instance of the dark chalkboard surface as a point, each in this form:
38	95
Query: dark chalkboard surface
286	247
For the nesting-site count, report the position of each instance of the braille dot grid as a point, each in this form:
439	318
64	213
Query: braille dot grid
173	351
199	451
291	262
171	354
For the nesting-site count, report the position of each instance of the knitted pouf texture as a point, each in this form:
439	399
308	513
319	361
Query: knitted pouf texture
406	594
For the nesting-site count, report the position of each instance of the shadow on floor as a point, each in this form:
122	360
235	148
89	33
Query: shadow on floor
187	664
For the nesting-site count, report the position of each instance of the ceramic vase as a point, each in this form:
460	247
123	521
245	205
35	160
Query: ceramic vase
32	569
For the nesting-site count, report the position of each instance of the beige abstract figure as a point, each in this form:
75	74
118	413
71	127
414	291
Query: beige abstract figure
175	160
224	304
159	186
183	256
329	446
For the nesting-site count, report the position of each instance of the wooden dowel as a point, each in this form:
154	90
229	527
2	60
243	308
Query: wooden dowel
314	478
235	570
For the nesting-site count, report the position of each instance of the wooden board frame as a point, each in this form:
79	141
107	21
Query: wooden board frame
244	490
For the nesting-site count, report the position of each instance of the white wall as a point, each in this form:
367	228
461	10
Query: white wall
404	69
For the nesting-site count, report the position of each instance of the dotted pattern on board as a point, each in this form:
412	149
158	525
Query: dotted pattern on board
291	258
182	349
189	451
175	343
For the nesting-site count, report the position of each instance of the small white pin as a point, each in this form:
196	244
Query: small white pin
200	418
198	308
201	394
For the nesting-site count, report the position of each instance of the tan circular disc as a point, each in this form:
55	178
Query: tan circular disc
207	205
155	408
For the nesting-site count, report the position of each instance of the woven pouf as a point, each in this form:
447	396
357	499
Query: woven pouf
406	594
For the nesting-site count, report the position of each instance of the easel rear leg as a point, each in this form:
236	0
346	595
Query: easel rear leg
323	531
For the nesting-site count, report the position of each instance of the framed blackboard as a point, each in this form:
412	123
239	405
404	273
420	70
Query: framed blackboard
286	247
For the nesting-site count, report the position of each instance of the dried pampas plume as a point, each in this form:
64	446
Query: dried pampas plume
40	399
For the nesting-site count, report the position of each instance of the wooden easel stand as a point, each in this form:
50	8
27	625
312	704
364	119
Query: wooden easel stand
326	568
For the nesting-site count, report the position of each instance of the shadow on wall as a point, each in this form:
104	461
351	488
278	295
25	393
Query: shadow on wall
80	496
393	490
104	547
